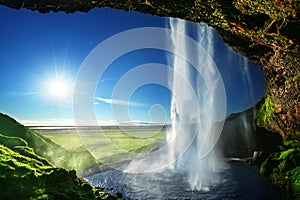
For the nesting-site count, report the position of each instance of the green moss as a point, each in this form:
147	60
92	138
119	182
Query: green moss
283	169
15	134
12	141
294	78
266	112
271	8
295	174
286	153
290	144
24	177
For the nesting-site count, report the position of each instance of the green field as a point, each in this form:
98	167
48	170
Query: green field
109	144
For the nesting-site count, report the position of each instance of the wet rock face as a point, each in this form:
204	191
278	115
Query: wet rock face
239	127
267	32
283	75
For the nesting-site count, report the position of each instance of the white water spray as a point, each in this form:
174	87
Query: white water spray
200	161
198	109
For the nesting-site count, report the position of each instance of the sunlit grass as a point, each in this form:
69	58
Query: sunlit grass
108	144
70	141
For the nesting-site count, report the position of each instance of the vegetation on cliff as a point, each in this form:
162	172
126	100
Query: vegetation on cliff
79	159
283	167
26	175
266	112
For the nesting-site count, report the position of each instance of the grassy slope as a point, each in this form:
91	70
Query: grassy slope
45	147
26	175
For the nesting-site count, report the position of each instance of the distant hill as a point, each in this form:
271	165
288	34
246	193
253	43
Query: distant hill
45	147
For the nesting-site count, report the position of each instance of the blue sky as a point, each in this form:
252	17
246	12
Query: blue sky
42	53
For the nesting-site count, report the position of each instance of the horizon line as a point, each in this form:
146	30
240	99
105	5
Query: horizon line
71	123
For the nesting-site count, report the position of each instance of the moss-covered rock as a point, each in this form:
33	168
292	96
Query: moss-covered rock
31	177
266	112
25	175
13	134
283	167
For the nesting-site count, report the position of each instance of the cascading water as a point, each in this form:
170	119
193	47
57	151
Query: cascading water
248	121
197	112
200	160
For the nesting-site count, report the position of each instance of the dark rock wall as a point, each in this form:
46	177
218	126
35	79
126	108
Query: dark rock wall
266	31
238	137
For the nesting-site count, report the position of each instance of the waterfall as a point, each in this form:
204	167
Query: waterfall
198	110
197	124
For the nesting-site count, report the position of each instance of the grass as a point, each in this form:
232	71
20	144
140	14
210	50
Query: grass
27	175
26	172
67	139
32	177
108	144
65	148
45	147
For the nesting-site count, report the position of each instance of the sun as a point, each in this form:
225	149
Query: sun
58	87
